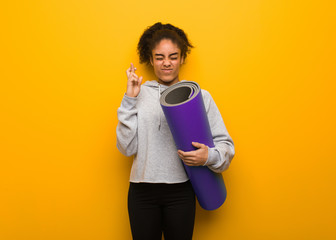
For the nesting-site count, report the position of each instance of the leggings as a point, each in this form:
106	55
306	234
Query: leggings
156	208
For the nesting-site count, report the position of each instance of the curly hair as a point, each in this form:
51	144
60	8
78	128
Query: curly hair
155	33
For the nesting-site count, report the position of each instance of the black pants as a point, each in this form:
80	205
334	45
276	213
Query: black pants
156	208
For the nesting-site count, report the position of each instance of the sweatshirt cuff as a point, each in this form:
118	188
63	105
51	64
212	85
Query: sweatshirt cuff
213	156
128	102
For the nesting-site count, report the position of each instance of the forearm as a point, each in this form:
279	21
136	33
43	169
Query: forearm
219	157
127	126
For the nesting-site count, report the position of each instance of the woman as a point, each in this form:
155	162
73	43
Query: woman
161	198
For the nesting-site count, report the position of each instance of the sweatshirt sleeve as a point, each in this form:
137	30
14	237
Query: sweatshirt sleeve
220	156
127	140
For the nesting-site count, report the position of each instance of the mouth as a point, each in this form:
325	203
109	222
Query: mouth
167	70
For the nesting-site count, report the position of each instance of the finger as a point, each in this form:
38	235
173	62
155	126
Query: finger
186	163
180	152
188	154
180	155
187	158
196	144
140	80
189	163
132	68
191	158
134	76
128	72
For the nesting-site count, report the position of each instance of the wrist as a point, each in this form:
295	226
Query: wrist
130	94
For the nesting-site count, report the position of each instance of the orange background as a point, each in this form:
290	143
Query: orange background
269	65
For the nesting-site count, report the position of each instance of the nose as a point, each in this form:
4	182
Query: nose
166	63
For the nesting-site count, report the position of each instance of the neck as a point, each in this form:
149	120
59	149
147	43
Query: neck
176	80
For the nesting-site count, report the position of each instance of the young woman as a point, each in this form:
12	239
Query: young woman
161	199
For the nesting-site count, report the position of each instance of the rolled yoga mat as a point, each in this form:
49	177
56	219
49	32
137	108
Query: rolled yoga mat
183	106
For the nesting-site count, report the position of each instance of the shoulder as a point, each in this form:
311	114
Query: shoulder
207	98
146	91
206	93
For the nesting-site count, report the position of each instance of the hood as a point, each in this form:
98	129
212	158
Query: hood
160	88
156	85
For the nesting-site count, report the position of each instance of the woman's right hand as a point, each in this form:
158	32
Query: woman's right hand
133	82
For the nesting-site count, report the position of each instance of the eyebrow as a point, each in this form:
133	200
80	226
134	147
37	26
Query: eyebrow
157	54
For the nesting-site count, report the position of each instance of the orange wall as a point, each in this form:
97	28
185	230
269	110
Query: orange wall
269	65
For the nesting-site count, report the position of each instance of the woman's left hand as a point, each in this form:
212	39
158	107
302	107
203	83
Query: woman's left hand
195	158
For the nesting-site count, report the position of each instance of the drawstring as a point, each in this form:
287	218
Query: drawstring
159	110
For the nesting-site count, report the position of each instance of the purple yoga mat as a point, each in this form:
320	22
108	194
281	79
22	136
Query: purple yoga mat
183	106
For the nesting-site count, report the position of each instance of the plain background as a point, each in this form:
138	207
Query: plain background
269	65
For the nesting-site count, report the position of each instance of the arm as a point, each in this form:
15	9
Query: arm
127	141
219	157
127	115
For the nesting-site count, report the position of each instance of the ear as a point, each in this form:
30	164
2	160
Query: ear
182	60
151	61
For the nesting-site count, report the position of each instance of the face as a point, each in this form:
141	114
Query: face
166	61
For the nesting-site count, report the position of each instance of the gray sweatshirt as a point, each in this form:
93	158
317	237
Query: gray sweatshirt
143	131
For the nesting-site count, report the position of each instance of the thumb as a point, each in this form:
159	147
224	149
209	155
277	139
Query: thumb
196	144
140	80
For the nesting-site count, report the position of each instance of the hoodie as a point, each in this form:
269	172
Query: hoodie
143	131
